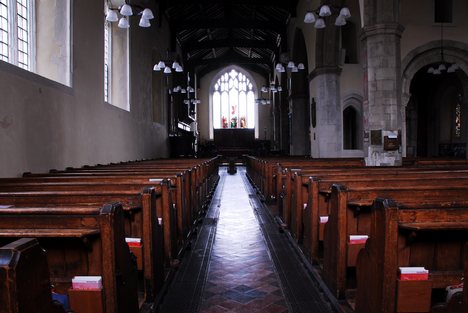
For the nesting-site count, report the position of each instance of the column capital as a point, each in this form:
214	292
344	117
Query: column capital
324	70
382	29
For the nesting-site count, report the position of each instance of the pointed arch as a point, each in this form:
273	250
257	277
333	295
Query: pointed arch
352	122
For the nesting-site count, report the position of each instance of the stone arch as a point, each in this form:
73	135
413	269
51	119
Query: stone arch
419	59
352	101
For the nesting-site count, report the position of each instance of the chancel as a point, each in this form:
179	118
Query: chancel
210	156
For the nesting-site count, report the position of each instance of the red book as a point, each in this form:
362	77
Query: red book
357	239
413	273
133	242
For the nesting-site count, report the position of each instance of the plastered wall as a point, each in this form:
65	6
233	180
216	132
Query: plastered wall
45	125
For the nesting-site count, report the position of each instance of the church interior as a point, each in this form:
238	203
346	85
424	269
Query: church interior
233	156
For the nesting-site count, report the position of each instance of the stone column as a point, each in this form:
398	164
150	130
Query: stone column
299	121
328	138
383	112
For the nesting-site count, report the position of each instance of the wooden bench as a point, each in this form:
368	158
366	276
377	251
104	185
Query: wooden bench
25	285
432	237
308	199
348	216
142	209
80	241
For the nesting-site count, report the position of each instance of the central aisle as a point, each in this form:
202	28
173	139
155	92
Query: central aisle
240	261
242	277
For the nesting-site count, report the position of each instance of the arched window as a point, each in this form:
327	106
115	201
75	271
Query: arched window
350	128
233	101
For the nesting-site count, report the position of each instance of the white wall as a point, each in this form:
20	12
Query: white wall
45	125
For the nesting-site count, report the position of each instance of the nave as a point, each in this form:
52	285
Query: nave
242	261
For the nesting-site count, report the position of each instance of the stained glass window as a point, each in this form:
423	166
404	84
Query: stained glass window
458	118
233	101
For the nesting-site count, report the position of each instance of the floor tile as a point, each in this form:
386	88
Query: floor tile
242	277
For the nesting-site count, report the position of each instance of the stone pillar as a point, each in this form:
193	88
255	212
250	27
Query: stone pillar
328	138
383	112
299	121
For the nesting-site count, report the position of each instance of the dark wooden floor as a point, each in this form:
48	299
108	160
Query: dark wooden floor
242	262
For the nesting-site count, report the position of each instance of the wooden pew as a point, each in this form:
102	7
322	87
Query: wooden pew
348	217
80	241
141	212
309	197
432	237
101	180
24	276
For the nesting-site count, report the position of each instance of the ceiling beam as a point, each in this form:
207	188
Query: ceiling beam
287	5
231	43
204	70
230	59
179	25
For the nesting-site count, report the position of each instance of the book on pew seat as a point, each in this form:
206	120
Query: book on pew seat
87	283
133	242
323	221
413	273
355	244
135	246
357	239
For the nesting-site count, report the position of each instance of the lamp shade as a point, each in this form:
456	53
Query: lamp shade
147	14
175	64
123	23
156	68
144	22
340	20
111	16
167	70
442	67
291	64
301	66
179	69
126	10
325	10
430	70
320	23
344	12
161	64
309	18
295	69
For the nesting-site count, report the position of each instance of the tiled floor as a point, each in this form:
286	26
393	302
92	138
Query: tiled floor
241	275
240	261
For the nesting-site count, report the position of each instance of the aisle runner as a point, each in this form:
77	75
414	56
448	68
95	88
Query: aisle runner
241	274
